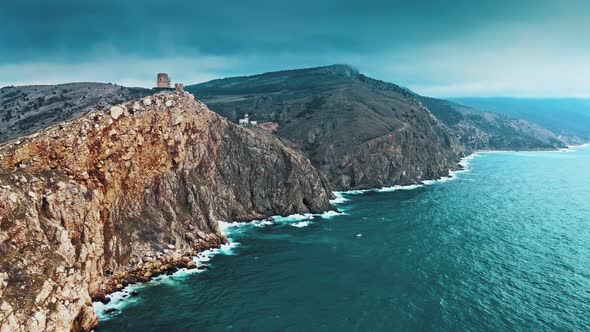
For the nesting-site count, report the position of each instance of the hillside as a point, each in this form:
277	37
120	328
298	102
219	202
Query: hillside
567	117
119	196
360	132
479	130
26	109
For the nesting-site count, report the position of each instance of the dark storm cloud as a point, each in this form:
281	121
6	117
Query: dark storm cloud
75	30
437	47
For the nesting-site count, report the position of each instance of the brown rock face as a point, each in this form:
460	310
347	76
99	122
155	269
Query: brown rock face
107	200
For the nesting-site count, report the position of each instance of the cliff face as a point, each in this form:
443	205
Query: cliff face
413	153
112	198
360	132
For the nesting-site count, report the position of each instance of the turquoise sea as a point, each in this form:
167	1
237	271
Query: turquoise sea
503	246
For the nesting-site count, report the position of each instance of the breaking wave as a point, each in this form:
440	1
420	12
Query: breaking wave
124	297
464	163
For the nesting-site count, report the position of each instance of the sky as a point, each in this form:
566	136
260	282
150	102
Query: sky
520	48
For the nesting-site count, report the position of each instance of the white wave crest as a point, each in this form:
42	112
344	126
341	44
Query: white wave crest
339	198
301	224
331	214
123	298
397	187
293	217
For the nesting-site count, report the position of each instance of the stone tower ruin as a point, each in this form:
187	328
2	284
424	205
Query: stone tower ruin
163	81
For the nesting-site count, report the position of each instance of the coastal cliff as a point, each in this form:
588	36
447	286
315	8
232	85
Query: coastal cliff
360	132
119	196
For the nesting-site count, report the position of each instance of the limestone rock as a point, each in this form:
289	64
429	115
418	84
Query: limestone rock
176	119
116	112
111	205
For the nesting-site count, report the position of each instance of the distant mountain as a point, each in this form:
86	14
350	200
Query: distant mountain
565	116
363	132
360	132
479	130
26	109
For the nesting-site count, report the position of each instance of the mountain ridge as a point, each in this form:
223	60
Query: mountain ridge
567	117
327	114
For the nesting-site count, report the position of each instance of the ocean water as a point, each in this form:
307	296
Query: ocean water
504	246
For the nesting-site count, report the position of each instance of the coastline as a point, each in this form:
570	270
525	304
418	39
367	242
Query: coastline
122	297
119	298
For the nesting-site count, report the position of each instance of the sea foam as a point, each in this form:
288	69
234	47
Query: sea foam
301	224
296	220
123	298
464	163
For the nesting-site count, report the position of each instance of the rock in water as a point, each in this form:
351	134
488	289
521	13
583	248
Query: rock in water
103	195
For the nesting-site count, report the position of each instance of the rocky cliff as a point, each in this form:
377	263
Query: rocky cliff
116	197
27	109
360	132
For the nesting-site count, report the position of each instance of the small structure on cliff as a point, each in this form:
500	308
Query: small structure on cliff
163	81
247	122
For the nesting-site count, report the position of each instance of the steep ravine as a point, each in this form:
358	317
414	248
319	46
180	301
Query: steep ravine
116	197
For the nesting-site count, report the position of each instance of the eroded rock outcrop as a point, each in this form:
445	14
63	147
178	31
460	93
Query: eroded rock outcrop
117	196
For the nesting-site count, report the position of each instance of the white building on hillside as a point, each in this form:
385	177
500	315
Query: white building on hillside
246	121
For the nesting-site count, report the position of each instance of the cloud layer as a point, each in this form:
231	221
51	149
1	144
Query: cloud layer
440	48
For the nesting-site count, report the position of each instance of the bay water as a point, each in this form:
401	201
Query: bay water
503	246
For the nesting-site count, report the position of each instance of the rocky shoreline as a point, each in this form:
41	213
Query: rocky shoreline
167	262
122	195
